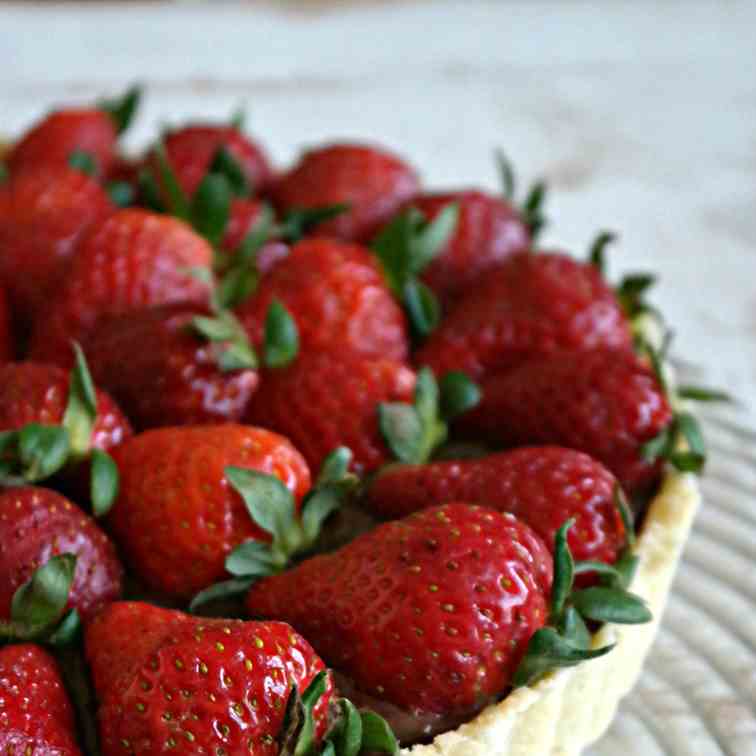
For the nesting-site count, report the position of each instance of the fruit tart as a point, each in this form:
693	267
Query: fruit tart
318	460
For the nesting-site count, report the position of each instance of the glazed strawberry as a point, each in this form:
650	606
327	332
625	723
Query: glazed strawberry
300	402
43	214
198	685
543	485
6	331
373	182
36	716
37	524
532	305
337	296
179	380
190	151
488	231
177	517
431	613
607	403
131	260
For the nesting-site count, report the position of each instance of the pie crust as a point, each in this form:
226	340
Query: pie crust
571	708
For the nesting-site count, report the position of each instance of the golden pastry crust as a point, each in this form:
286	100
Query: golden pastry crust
571	708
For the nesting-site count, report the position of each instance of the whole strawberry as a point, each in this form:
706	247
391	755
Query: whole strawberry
533	304
300	402
489	230
180	380
337	296
37	524
431	613
43	215
543	485
178	515
199	685
36	716
373	182
606	403
131	260
191	151
92	131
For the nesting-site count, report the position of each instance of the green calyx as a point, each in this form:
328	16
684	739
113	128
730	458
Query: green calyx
38	607
84	162
122	109
352	732
566	641
37	452
405	247
414	431
597	250
531	208
273	509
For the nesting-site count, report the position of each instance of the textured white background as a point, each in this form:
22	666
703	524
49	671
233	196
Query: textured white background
641	114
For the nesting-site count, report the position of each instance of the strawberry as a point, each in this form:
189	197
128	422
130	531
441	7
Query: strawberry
432	613
606	403
181	379
43	215
191	151
488	231
92	131
543	485
299	402
6	331
373	182
133	259
531	305
338	298
200	685
179	512
36	716
37	524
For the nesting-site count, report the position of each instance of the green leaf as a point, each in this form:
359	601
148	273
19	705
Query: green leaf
686	461
281	336
306	744
211	207
402	430
659	446
123	109
422	307
214	329
317	508
335	466
256	238
236	286
347	738
238	355
377	735
597	250
43	450
564	570
104	481
121	193
573	629
626	515
547	650
300	221
430	238
40	602
703	394
632	290
459	393
4	172
149	191
626	567
600	568
532	209
251	559
604	604
67	632
83	161
269	503
688	426
506	175
81	411
178	201
224	590
225	165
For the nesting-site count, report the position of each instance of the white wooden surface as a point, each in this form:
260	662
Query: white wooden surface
641	114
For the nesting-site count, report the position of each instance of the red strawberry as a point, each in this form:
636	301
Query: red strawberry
488	231
131	260
198	685
177	517
338	298
373	182
532	305
36	717
37	524
432	613
179	380
543	485
300	402
43	214
190	152
604	402
6	331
